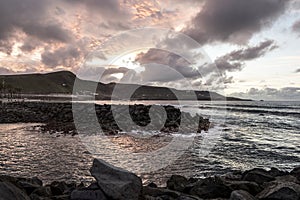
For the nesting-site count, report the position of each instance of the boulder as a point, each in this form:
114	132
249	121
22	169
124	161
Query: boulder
86	194
59	188
44	191
159	192
116	183
259	176
276	172
250	187
288	178
28	187
210	188
281	191
177	182
241	195
8	191
296	172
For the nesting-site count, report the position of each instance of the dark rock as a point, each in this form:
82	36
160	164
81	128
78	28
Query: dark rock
210	188
8	191
28	187
296	172
44	191
281	191
186	197
93	186
257	175
159	192
153	185
36	197
58	188
241	195
88	195
288	178
276	172
177	182
116	183
251	187
61	197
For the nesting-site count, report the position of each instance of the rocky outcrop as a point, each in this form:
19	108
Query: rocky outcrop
113	183
58	117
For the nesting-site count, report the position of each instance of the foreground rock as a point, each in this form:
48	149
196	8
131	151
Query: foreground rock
117	184
10	192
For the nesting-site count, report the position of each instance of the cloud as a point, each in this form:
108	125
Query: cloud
233	21
296	27
234	61
29	16
109	9
297	70
154	60
65	56
4	71
286	93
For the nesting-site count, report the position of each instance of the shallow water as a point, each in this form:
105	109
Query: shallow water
245	135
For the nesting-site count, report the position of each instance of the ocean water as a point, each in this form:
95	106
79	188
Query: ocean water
244	135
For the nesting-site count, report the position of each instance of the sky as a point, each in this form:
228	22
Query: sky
241	48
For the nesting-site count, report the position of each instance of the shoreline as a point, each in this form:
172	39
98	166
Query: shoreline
116	183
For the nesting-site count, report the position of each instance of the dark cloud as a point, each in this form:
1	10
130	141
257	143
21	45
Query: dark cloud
65	56
106	8
234	61
155	58
48	32
287	93
296	26
233	20
29	16
252	52
298	70
4	70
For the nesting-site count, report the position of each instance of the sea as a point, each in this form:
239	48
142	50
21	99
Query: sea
243	135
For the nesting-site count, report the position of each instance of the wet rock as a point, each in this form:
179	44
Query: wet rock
296	173
177	183
28	187
8	191
276	172
160	192
257	175
116	183
250	187
210	188
85	194
281	191
288	178
241	195
58	188
153	185
186	197
61	197
44	191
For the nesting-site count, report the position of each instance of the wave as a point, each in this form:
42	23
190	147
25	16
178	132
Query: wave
255	111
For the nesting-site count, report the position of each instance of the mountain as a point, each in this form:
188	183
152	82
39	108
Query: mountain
62	83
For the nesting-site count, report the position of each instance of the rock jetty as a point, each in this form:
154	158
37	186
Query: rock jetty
113	183
58	117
